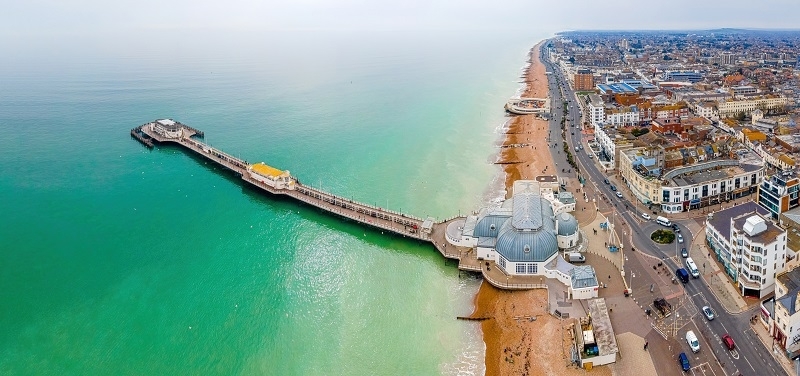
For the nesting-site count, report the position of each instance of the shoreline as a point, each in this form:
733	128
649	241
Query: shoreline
513	344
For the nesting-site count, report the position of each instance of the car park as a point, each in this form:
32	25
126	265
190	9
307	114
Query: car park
708	312
684	252
691	339
683	360
680	238
728	341
646	216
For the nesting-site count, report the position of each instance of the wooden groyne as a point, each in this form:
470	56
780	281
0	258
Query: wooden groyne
473	318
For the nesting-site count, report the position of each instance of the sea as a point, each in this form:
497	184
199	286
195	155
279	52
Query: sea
116	259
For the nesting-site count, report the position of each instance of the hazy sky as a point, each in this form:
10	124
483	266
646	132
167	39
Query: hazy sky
37	18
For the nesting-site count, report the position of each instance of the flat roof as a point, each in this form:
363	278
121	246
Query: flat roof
700	177
265	170
765	237
617	87
601	326
721	220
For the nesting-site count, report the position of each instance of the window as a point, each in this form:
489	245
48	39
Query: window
533	268
502	262
520	268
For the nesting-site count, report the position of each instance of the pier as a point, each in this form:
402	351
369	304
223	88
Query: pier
374	216
276	182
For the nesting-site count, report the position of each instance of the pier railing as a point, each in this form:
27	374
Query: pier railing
374	216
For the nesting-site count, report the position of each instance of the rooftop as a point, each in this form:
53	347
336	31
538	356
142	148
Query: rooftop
764	237
266	170
601	326
721	220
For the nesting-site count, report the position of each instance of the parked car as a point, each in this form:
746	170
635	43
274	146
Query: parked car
619	194
683	360
646	216
684	252
728	341
691	339
606	181
613	187
590	155
708	312
680	238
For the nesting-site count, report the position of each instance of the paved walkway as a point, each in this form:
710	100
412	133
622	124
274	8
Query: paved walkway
633	359
760	332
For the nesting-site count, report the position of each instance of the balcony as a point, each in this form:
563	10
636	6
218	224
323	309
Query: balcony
745	281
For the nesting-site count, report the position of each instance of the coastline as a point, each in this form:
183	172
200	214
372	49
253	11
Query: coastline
516	344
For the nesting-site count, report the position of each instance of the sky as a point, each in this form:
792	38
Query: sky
39	32
54	18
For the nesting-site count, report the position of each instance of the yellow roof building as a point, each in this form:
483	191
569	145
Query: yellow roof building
265	170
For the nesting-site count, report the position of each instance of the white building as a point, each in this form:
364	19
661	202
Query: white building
167	128
750	247
522	237
594	336
271	176
605	135
784	322
597	109
623	116
688	187
706	109
734	107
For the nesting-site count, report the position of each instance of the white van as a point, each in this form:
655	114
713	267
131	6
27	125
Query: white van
692	267
663	221
575	257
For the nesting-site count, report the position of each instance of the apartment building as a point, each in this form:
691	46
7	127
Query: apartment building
779	193
597	109
731	108
690	186
782	313
751	248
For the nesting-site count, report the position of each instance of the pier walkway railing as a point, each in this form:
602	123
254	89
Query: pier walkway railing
374	216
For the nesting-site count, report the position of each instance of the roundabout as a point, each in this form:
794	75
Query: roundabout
662	236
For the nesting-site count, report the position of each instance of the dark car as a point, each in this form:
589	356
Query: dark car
684	253
676	228
606	181
728	341
682	274
613	187
683	360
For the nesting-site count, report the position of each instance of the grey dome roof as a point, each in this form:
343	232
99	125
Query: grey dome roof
567	224
526	246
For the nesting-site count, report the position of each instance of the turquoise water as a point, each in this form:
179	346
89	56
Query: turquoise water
120	260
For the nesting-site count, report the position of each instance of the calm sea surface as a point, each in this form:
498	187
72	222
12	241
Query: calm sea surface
115	259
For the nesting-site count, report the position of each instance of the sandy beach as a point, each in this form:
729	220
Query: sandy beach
521	337
529	132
